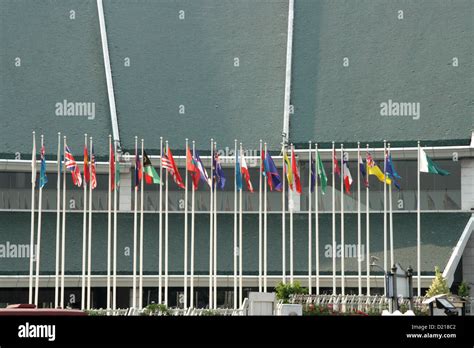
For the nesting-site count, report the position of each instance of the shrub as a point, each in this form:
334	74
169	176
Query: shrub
285	290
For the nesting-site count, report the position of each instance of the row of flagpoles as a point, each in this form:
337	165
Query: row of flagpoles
268	175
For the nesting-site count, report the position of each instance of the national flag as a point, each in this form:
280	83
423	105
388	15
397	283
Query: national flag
390	170
117	175
295	172
245	173
112	167
347	178
428	166
313	172
43	178
33	164
336	168
167	161
238	172
138	170
288	170
202	170
86	164
73	167
218	171
363	171
192	168
93	172
271	172
323	179
374	169
151	175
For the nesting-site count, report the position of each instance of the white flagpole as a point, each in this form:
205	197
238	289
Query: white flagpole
32	231
260	285
367	224
140	275
215	238
135	210
310	227
390	216
333	223
84	237
166	232
283	214
38	238
58	224
241	245
89	245
265	232
109	225
359	237
235	228
160	233
211	230
192	238
316	203
385	214
343	280
185	286
291	208
63	231
114	271
418	225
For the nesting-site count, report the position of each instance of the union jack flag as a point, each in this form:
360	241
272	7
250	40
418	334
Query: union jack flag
369	160
73	167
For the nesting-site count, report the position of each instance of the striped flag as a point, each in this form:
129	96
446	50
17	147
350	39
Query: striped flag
73	167
86	164
202	169
167	161
295	172
43	178
363	171
193	169
245	172
347	176
336	168
93	172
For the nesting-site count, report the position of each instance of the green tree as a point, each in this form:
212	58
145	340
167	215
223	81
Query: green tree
439	285
463	289
285	290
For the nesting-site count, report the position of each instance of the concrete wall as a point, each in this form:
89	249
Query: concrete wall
467	184
191	62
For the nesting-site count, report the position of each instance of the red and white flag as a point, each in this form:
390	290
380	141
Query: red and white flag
93	173
336	168
347	177
245	172
167	161
295	172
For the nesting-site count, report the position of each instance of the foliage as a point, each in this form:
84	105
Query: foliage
285	290
328	310
156	309
210	313
464	289
439	285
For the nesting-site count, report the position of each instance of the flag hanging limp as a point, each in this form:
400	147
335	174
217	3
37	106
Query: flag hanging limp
151	175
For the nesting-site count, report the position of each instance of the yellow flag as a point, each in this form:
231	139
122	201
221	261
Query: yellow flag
375	170
289	173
